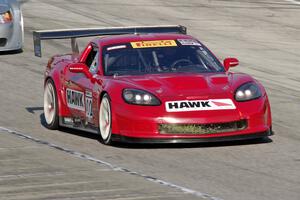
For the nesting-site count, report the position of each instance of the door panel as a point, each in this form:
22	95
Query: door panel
74	94
81	95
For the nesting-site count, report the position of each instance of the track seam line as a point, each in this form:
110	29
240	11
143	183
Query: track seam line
109	165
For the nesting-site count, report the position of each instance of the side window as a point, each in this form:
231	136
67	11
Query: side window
92	60
122	60
94	64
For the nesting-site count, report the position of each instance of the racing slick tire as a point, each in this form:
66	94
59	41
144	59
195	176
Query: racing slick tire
105	120
50	106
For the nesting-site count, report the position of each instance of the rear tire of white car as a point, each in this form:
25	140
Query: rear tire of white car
105	124
50	106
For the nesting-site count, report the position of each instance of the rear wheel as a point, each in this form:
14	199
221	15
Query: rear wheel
50	105
105	120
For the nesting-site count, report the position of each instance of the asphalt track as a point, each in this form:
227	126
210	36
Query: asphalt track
36	163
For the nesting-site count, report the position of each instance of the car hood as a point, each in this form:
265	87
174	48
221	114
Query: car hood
190	86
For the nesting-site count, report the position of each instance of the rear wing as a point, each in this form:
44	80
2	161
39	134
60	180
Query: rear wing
89	32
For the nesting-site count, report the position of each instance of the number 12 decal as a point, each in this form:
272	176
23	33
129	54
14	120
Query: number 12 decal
88	104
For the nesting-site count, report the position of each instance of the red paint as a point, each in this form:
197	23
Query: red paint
80	68
220	103
143	121
230	62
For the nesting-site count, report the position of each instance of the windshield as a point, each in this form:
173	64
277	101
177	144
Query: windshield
159	56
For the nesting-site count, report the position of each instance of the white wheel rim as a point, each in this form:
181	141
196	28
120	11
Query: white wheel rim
105	119
49	103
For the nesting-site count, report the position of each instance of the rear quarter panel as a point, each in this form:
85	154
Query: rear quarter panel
56	70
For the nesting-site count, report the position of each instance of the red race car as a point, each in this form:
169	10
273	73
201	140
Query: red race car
150	84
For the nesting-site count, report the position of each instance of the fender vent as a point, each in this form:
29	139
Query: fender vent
3	42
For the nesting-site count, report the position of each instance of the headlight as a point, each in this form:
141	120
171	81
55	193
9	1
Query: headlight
140	97
247	91
5	17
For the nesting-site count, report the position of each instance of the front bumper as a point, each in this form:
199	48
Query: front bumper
6	32
141	124
11	37
125	139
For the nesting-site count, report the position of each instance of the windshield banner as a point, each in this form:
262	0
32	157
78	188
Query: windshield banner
154	43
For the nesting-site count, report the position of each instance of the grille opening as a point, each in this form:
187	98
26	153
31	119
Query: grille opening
202	128
3	42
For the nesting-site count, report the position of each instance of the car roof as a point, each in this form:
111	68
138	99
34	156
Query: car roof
119	39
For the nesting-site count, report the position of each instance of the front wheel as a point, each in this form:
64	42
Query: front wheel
105	120
50	105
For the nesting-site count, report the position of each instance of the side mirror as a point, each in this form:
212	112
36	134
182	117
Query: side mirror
230	62
80	68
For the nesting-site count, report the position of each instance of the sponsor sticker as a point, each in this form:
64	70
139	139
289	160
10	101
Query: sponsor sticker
154	43
88	104
189	42
199	105
75	99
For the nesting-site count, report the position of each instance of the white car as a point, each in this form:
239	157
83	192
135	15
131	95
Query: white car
11	25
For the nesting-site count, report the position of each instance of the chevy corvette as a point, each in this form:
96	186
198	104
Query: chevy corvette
152	84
